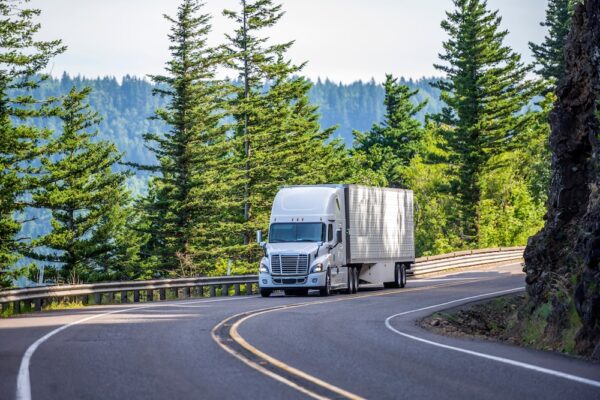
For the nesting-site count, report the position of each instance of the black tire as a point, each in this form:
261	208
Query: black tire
350	287
326	291
356	279
265	292
402	273
397	278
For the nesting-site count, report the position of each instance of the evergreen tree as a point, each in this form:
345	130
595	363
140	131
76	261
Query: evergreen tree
87	200
276	131
187	190
486	92
23	61
431	176
388	147
549	55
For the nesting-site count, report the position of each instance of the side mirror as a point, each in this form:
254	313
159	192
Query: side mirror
338	236
259	236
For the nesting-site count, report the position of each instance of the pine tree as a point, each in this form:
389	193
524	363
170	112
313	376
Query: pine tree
276	132
549	55
23	61
86	199
187	190
388	147
486	92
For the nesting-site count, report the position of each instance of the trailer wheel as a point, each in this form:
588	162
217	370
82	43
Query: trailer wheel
397	283
402	274
326	291
265	292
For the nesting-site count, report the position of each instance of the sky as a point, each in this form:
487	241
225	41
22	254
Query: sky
343	40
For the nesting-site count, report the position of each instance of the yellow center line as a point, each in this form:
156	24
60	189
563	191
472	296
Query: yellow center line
235	336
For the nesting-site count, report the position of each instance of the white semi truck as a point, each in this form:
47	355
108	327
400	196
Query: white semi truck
335	237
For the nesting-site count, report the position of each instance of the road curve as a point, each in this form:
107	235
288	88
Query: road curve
302	347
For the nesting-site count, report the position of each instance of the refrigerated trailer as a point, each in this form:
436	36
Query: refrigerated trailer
335	237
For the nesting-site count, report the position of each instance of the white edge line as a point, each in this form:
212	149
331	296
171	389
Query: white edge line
23	380
503	360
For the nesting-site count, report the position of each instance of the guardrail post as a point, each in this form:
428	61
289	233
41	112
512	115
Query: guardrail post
17	307
186	292
98	298
37	304
249	289
123	296
136	296
176	292
236	289
225	290
213	291
200	291
4	307
163	294
149	295
110	297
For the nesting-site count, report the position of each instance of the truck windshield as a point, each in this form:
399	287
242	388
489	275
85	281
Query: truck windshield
297	232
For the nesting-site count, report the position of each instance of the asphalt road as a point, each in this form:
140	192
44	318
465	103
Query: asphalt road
336	347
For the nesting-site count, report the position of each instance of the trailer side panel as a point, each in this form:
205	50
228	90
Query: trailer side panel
379	224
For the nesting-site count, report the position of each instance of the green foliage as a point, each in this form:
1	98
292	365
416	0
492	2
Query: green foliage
184	198
430	177
549	55
486	92
389	146
276	137
514	186
86	199
509	214
23	58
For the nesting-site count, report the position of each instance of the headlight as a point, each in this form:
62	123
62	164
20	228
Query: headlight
317	268
263	268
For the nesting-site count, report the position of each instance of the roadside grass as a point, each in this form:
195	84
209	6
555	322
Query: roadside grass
510	319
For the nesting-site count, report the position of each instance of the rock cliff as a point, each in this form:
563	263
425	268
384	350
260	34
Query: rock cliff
562	261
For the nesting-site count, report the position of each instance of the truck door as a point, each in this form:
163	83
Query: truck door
338	274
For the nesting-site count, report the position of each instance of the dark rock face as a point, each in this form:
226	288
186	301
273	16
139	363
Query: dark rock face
569	244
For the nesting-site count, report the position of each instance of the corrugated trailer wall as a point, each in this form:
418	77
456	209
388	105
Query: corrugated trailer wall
379	224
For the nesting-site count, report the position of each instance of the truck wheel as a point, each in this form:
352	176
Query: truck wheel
326	291
402	271
350	288
356	279
265	292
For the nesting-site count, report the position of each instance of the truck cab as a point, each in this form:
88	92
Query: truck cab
306	248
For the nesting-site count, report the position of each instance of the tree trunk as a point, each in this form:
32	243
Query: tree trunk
562	261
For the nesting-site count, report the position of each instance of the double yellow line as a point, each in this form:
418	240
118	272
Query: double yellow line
226	335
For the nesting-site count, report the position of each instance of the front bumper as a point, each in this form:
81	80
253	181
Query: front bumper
277	282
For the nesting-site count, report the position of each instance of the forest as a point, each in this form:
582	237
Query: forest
106	180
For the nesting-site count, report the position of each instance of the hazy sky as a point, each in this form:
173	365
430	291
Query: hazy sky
344	40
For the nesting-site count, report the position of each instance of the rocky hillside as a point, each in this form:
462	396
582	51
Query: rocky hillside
563	260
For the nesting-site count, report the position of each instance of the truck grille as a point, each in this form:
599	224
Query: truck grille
293	264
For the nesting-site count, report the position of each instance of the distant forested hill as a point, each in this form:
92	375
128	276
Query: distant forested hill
360	104
127	106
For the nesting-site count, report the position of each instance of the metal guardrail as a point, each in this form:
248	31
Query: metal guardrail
466	258
153	290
